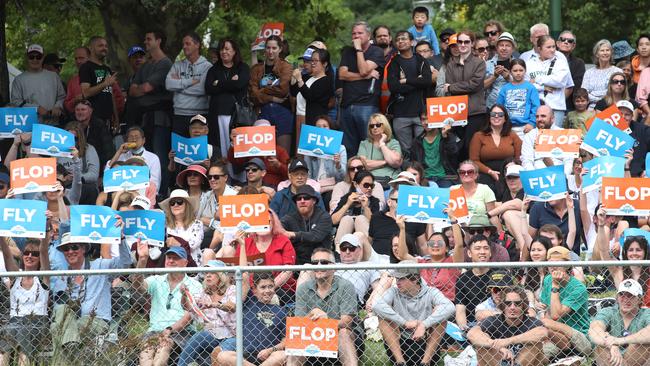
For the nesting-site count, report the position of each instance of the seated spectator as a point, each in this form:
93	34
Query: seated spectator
621	333
354	165
198	127
183	228
209	202
512	336
217	302
509	203
566	316
283	203
577	118
520	99
327	171
412	318
168	321
501	246
329	296
195	181
544	120
357	207
264	326
28	324
499	281
380	152
417	169
89	164
308	228
480	198
135	147
255	172
437	150
491	146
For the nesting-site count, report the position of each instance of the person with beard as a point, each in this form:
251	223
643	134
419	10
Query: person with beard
383	40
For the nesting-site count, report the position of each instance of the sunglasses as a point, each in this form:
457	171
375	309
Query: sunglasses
478	231
490	33
194	174
464	42
375	125
515	303
251	170
302	198
215	176
321	262
355	168
368	185
393	199
617	81
444	39
169	301
178	202
31	253
466	172
435	243
497	114
481	49
348	249
34	57
496	289
567	40
67	248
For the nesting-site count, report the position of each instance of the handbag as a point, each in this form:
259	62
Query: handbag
244	115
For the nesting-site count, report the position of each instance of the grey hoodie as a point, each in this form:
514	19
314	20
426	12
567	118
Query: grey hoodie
189	99
429	305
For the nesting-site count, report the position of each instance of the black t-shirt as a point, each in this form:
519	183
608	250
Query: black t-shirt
601	105
497	328
505	195
356	92
93	74
471	290
382	229
355	209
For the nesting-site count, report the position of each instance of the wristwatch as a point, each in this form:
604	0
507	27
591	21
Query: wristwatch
170	329
555	290
358	50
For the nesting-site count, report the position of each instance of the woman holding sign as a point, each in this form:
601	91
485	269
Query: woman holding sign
381	153
616	91
480	198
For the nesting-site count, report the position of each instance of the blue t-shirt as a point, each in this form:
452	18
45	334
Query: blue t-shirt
264	325
521	101
428	34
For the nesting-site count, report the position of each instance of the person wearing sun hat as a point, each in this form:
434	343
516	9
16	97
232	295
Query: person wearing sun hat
194	180
183	229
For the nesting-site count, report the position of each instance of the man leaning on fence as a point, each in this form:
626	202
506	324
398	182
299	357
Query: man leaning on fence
621	333
412	318
511	336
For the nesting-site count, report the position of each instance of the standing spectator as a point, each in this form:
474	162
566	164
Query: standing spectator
422	29
409	77
269	89
596	79
52	62
544	120
415	309
481	49
226	84
40	88
380	152
318	89
641	60
383	40
464	75
136	58
73	94
536	31
495	143
186	79
437	150
492	31
520	99
135	147
566	43
512	337
497	70
360	71
95	130
99	83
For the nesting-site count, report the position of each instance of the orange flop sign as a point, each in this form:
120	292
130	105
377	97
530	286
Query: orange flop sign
314	338
626	196
445	110
248	212
458	205
613	116
254	141
558	143
33	175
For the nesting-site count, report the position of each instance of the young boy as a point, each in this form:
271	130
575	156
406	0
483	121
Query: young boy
578	117
422	30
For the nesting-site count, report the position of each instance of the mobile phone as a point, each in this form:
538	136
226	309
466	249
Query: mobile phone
504	63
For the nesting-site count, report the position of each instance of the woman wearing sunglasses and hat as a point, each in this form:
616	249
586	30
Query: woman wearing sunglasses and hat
194	180
182	225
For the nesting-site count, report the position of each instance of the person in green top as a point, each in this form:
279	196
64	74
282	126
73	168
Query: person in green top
436	149
621	333
567	313
380	152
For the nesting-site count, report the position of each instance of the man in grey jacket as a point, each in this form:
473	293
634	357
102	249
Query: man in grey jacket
412	317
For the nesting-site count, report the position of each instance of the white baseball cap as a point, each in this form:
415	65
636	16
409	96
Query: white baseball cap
625	104
35	48
351	239
631	286
513	170
142	202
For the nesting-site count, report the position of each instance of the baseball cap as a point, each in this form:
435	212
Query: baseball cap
135	50
558	254
262	122
478	221
405	178
447	32
53	59
453	39
513	170
307	54
404	272
179	251
630	286
35	48
318	44
215	263
350	239
142	202
297	164
625	104
500	279
506	36
257	162
305	190
199	118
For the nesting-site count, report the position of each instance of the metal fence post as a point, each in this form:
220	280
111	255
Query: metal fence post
240	318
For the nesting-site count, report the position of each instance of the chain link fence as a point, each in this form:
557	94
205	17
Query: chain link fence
419	314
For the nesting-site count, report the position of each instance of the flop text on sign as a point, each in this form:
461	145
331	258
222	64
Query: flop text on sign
249	212
254	141
268	29
441	109
458	204
306	337
22	218
564	143
33	175
626	196
611	115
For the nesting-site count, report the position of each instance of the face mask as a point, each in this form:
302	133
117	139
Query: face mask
154	253
138	151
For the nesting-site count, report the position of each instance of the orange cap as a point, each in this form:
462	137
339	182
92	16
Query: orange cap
453	39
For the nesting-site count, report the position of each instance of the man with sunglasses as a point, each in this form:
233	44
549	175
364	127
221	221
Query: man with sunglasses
481	225
168	321
492	30
566	43
329	296
283	202
511	336
499	280
37	87
621	333
412	318
309	227
255	172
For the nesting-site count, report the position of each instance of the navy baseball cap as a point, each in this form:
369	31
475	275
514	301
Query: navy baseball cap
135	50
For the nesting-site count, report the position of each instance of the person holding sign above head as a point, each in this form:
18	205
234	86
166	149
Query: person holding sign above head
492	145
412	318
198	127
135	147
545	119
380	152
183	229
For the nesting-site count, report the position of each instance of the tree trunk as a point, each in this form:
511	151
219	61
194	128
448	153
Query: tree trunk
127	21
4	72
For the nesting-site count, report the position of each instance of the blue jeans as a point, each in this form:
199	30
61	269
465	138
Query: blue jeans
198	349
354	124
